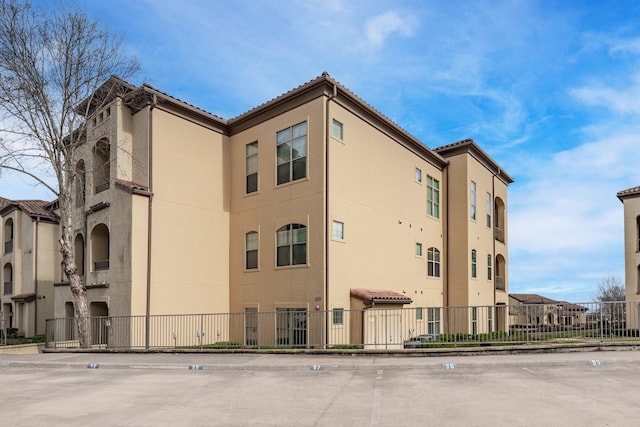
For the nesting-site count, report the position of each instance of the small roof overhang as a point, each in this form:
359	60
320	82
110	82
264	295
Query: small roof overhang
24	297
380	296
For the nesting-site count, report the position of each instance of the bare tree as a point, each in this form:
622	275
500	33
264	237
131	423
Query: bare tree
52	68
611	289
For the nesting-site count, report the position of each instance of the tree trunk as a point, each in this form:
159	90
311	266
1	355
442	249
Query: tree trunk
76	284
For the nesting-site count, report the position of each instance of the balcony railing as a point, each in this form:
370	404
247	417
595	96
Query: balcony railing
101	265
102	187
498	234
8	246
8	288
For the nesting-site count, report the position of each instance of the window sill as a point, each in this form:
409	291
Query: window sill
286	184
286	267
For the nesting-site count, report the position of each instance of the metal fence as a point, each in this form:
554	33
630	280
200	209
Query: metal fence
374	328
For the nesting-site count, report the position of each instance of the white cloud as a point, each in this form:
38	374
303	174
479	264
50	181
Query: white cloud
379	28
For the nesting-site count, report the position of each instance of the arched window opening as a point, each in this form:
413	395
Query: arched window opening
81	177
638	279
433	262
7	276
100	247
638	233
498	219
8	236
500	273
101	165
251	250
291	245
79	254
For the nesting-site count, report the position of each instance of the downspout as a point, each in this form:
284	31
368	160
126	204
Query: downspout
446	243
493	237
149	219
327	230
35	278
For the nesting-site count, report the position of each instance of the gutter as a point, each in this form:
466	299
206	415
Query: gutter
327	224
149	220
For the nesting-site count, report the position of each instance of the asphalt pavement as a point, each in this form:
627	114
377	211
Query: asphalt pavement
254	389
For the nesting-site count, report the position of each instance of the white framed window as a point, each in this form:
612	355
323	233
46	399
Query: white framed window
418	249
433	322
474	263
474	320
291	245
338	230
433	262
489	319
251	167
337	129
251	250
433	197
291	147
489	205
489	267
338	316
419	313
418	175
473	200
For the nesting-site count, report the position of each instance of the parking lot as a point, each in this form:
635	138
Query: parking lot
586	388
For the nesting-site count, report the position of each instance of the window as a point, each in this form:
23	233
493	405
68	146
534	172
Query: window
433	323
419	313
338	230
418	175
80	184
489	204
473	200
251	326
79	253
489	319
100	247
101	166
433	262
291	245
474	263
8	236
474	320
8	279
418	249
292	153
489	273
638	233
337	129
433	197
338	316
251	250
251	165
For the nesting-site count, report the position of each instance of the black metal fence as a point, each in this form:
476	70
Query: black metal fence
366	329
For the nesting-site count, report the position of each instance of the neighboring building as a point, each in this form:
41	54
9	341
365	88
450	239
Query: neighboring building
630	198
29	264
528	310
311	201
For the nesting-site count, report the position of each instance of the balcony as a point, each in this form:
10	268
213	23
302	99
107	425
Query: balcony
101	265
498	234
102	187
500	286
8	246
8	288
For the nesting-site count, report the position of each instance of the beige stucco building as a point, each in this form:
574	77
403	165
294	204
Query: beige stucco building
313	201
631	201
29	265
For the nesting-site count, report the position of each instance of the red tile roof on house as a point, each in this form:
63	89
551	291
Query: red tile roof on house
33	208
629	192
380	296
532	299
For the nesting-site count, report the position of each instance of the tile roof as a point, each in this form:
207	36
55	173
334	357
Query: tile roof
470	145
4	202
533	299
629	192
380	296
33	208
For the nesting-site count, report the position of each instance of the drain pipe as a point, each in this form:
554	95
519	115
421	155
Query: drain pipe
35	279
326	209
149	220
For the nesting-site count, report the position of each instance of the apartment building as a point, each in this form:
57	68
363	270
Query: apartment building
29	264
630	198
313	201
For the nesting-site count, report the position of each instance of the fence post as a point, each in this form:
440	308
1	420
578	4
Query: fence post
601	323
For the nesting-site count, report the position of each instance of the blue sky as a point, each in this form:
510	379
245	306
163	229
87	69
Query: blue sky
550	89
